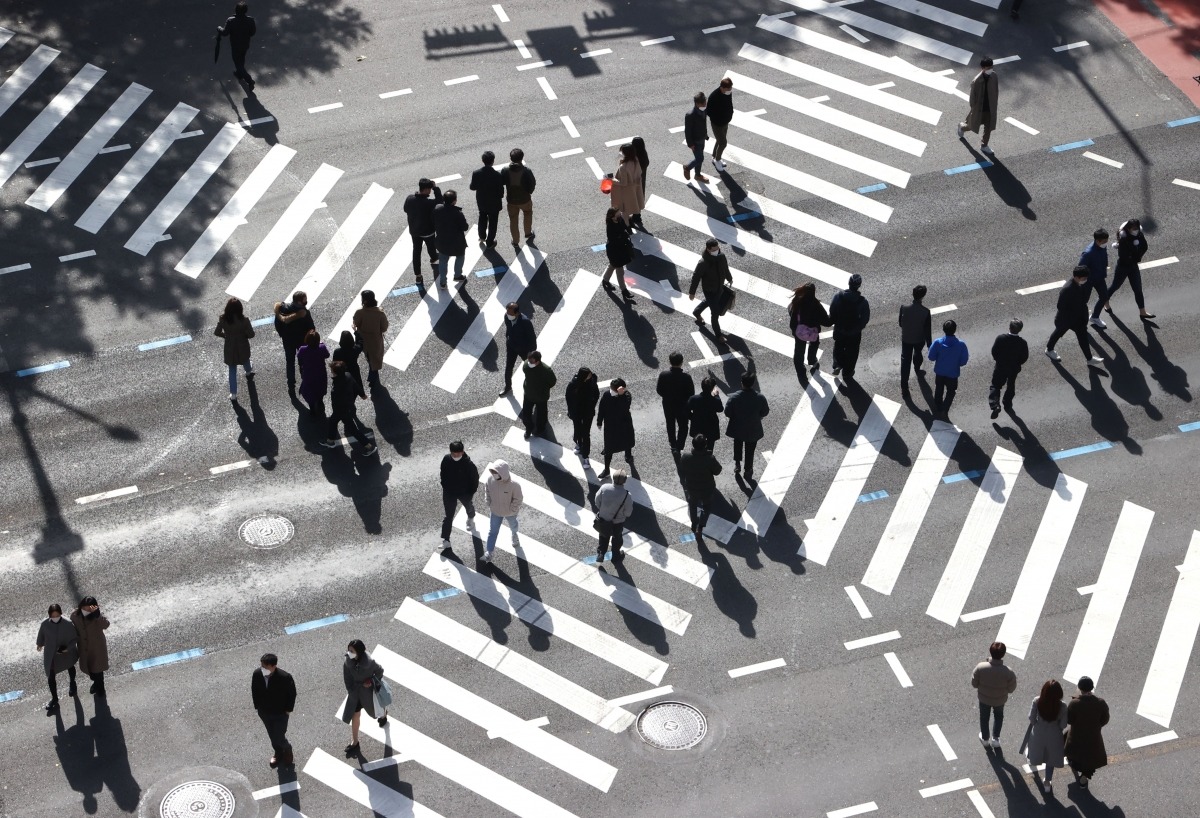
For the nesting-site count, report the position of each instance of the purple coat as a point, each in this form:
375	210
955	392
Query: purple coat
314	378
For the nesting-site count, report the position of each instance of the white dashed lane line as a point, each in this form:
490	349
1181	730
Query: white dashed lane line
333	106
399	93
461	80
547	89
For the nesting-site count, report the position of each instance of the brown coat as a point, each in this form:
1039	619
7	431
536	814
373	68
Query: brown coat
1086	714
977	116
627	195
237	340
371	324
93	644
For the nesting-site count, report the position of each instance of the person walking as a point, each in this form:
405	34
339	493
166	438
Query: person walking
1071	315
675	387
619	248
1086	716
450	227
539	380
273	693
348	351
1131	246
613	505
489	198
519	341
698	471
239	29
460	481
704	412
745	409
519	184
1010	352
639	146
720	114
995	682
365	690
235	328
984	103
849	313
628	194
916	333
314	378
92	643
370	323
582	395
59	644
806	316
711	277
418	207
1047	721
341	404
292	323
504	497
695	135
1095	258
615	417
949	356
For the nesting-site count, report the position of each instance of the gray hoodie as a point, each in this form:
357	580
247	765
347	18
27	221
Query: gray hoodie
503	495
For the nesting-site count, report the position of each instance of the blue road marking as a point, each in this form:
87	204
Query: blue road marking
442	594
737	217
875	495
262	322
166	342
965	168
967	475
689	537
38	370
1095	447
11	695
491	271
170	658
411	288
1070	146
596	248
1189	427
314	624
1175	123
872	188
590	560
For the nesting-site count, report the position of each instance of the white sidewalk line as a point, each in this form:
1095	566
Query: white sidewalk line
898	669
1112	589
901	532
344	240
523	671
20	149
385	278
1176	642
757	667
939	738
1041	565
825	528
901	35
20	80
975	537
1157	738
940	16
362	789
859	603
666	690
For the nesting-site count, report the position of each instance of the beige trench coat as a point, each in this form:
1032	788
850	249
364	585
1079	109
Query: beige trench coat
976	116
371	324
627	193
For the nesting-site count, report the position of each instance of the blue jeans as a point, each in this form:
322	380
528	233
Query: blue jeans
494	531
983	720
247	367
697	162
444	262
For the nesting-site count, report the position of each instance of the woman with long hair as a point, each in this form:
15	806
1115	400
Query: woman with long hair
626	194
314	378
806	316
639	146
236	329
365	690
1048	720
619	249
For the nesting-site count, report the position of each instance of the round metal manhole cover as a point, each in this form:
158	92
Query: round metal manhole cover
672	725
198	799
267	531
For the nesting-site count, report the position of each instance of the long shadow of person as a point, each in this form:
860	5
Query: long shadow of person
76	749
1172	379
539	639
640	331
309	428
391	421
1008	187
731	597
363	479
257	437
266	131
1021	800
389	776
1091	807
1128	381
112	754
646	631
497	618
1106	416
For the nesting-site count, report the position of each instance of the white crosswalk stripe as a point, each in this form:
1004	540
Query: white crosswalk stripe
1176	642
884	29
361	788
937	15
19	151
20	80
385	278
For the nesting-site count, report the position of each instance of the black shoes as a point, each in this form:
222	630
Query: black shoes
382	720
352	750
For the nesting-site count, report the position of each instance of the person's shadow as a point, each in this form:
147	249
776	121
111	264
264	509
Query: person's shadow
363	479
257	437
391	421
113	757
731	597
76	750
1107	420
1008	187
1172	379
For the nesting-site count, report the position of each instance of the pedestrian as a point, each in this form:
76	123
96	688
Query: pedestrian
1010	352
698	470
370	323
314	379
460	481
720	114
92	643
341	405
949	356
239	29
582	395
916	333
348	350
995	682
519	184
1131	246
489	198
745	409
235	328
59	644
450	227
292	323
695	134
711	276
627	194
365	690
1095	258
273	692
1086	715
639	145
619	247
984	102
1071	315
1047	721
615	410
850	313
504	497
519	341
613	505
418	207
539	380
675	387
704	412
806	316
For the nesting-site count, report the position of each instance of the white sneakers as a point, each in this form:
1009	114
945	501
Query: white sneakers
960	131
1052	355
1096	362
445	546
987	150
487	556
1098	323
719	165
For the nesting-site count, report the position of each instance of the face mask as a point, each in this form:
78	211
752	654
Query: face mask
265	671
715	251
55	618
728	92
350	654
456	457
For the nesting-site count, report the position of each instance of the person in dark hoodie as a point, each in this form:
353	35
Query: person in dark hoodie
344	390
850	314
1131	247
582	394
489	198
675	387
949	356
1010	352
239	29
348	350
418	207
698	471
460	481
710	277
1071	315
292	322
704	412
450	226
1095	258
720	114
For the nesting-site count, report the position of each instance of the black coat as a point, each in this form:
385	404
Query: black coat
419	210
850	313
699	470
519	335
675	387
711	275
1072	306
459	477
293	332
811	313
745	410
489	190
451	227
619	245
616	419
1130	250
720	107
278	695
1010	352
239	30
916	325
695	127
704	413
343	390
582	397
349	356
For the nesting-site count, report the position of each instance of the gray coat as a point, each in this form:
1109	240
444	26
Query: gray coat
359	696
54	637
613	503
1046	738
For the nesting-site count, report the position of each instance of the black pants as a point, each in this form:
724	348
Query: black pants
510	360
805	352
910	358
748	445
239	65
97	683
450	504
581	433
1002	378
488	219
677	426
277	725
997	714
1134	274
349	419
533	414
433	255
944	390
289	355
712	303
845	353
52	680
1081	334
610	534
698	509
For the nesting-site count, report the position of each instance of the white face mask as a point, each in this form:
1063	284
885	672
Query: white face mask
727	92
55	618
350	654
456	456
716	251
266	671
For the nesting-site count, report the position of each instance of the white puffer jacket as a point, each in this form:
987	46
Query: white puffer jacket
503	496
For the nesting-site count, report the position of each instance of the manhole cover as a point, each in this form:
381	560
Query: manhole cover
198	799
672	725
267	531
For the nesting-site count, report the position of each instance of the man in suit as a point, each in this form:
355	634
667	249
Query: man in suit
274	695
450	227
1010	352
695	134
675	387
489	198
418	207
239	29
519	341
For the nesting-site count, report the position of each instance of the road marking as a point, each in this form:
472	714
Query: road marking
470	413
546	89
867	641
384	280
968	167
315	623
595	166
38	370
937	15
825	528
980	805
633	698
54	160
1041	564
941	789
1070	46
599	52
1086	589
400	93
169	659
190	134
1175	123
461	80
658	41
250	123
362	789
449	178
1103	159
1041	288
1158	262
986	613
116	148
166	342
333	106
1078	450
542	64
567	152
104	495
872	188
976	537
522	49
16	268
343	243
939	738
278	789
849	812
1112	589
1018	124
859	603
1157	738
77	256
20	80
1176	642
572	131
540	721
228	467
771	664
898	669
500	12
1190	427
715	29
1183	183
853	33
1070	146
886	30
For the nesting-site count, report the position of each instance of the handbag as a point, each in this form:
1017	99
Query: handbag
728	298
807	334
605	526
606	185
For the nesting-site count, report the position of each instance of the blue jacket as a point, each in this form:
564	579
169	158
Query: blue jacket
949	355
1095	258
